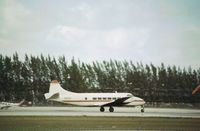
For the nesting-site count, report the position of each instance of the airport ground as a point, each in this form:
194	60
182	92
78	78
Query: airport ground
90	118
96	123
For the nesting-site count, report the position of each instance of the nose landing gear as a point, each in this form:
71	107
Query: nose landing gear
142	108
111	109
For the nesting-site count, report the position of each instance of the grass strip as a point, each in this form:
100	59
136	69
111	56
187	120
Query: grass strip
96	123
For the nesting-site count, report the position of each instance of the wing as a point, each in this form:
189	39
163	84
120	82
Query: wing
118	102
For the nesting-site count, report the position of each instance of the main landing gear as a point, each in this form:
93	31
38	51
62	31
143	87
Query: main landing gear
111	109
142	108
102	109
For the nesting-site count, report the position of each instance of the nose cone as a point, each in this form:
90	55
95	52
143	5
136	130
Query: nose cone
143	102
140	101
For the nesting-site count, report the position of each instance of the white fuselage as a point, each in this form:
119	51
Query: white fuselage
57	93
96	99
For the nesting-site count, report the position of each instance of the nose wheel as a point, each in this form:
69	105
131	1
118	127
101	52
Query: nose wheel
111	109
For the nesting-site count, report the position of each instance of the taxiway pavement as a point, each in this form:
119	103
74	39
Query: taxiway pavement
94	111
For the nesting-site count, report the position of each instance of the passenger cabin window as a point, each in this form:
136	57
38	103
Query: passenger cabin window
94	98
114	98
99	98
104	98
85	98
109	98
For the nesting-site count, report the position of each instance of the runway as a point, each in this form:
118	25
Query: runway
94	111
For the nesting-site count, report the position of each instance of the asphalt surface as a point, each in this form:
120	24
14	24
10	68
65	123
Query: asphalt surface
94	111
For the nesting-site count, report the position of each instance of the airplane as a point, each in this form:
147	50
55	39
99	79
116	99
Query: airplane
6	105
57	93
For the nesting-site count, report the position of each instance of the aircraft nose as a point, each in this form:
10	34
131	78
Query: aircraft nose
141	100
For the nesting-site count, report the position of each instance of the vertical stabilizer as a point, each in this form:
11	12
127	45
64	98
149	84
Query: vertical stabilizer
55	87
55	90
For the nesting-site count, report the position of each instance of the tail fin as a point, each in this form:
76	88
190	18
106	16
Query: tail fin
55	87
55	90
21	102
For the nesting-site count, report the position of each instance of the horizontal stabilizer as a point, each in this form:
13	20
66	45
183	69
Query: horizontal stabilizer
49	96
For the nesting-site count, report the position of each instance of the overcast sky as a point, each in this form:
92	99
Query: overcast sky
147	31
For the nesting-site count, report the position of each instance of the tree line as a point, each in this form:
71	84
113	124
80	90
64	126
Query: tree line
30	78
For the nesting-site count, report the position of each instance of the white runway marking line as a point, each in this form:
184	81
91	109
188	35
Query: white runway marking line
94	111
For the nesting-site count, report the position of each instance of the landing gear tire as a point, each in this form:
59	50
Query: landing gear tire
102	109
111	109
142	110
